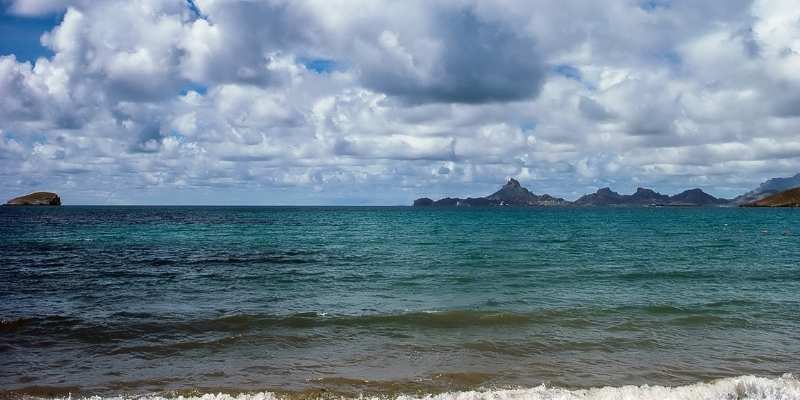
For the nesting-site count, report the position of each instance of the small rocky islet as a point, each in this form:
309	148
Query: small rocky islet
36	199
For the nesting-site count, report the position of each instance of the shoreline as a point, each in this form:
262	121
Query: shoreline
785	386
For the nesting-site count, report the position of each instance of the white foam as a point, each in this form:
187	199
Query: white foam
739	388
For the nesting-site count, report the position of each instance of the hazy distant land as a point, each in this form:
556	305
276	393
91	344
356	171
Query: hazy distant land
776	192
515	195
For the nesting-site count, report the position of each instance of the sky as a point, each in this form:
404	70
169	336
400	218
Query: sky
378	102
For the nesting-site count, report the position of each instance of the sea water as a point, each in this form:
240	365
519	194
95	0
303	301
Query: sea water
397	302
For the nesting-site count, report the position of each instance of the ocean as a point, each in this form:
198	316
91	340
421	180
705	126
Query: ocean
262	303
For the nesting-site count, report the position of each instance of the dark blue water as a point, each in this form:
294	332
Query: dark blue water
142	300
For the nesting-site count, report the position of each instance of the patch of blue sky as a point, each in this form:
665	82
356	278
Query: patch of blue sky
672	58
568	71
320	65
528	126
195	9
194	87
177	135
654	5
24	138
21	35
4	135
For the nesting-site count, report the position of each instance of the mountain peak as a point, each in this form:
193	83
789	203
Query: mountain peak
696	196
648	196
513	193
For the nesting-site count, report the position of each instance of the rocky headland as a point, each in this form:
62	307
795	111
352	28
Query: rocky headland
768	188
788	198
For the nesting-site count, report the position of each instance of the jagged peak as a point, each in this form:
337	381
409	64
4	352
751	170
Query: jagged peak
512	183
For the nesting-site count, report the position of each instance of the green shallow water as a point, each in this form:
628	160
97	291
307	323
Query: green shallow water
109	300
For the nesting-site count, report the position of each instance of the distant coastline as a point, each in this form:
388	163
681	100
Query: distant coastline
778	192
775	192
513	194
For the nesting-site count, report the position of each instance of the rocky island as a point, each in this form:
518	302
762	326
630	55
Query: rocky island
36	199
513	194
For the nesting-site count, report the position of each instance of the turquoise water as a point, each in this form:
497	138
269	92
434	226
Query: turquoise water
154	300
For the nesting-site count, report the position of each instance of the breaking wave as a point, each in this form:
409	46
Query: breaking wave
786	387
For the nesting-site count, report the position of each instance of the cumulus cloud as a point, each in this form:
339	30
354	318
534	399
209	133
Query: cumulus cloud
325	101
459	57
38	7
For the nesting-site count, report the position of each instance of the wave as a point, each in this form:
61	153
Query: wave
132	324
786	387
431	319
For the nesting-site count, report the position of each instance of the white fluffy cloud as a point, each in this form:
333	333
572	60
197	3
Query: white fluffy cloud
354	101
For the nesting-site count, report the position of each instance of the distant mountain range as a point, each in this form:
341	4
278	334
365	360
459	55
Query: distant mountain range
775	192
648	197
513	194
